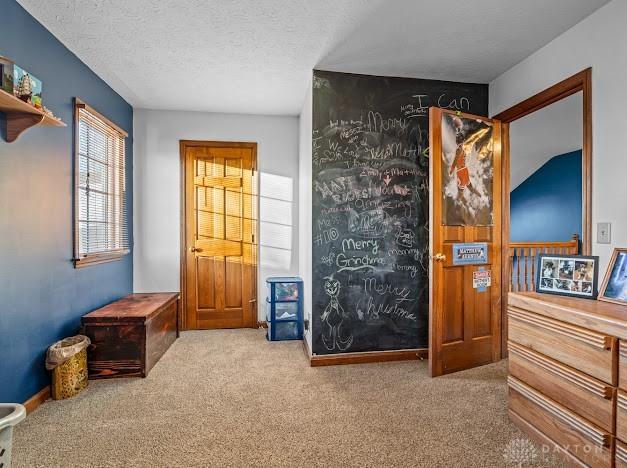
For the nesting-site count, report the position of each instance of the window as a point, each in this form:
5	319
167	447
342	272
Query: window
100	224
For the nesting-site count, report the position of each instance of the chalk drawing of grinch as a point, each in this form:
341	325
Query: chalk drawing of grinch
333	318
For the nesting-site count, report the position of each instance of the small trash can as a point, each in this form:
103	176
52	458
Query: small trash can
10	415
67	359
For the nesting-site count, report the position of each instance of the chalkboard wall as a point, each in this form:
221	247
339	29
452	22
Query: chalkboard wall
370	207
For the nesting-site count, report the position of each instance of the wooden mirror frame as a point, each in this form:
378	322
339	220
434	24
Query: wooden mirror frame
608	275
581	81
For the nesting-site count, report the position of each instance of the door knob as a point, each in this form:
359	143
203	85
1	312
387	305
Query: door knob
195	249
439	257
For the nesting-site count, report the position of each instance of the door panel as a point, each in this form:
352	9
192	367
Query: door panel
465	173
233	283
453	314
205	275
220	221
483	316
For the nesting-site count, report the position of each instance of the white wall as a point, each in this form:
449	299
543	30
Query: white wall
597	42
305	218
537	137
156	198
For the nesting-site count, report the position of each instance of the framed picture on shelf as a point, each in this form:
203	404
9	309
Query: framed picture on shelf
614	287
568	275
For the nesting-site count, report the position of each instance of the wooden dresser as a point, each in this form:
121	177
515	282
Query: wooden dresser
130	335
568	376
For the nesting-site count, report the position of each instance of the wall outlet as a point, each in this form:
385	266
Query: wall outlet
604	233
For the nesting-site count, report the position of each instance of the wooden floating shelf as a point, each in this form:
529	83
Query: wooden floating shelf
21	116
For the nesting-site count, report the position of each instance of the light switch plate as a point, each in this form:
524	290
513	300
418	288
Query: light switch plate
604	233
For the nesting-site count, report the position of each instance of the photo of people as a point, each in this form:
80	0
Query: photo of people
567	268
547	283
563	285
549	269
570	275
584	270
616	283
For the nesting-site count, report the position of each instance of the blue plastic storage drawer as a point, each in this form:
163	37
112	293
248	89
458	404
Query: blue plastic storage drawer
285	289
282	311
283	331
284	308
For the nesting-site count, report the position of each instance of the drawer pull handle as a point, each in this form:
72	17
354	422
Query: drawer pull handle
568	418
604	391
554	326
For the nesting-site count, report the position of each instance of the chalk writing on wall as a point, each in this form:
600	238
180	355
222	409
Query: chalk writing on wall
370	207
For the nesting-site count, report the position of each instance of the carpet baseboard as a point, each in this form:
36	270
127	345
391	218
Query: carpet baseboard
37	399
366	357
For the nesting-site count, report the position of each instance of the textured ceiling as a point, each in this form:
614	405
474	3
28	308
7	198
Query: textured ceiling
256	56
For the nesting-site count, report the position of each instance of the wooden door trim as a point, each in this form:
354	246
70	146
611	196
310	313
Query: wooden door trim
435	202
183	145
581	81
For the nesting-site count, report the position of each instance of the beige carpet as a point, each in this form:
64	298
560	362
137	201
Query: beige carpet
230	398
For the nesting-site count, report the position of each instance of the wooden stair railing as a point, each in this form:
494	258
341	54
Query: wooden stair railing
523	256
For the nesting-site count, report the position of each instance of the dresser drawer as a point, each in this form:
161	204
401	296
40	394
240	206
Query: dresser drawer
585	395
582	439
621	454
590	352
622	365
621	416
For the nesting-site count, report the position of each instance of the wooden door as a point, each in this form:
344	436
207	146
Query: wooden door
220	257
465	218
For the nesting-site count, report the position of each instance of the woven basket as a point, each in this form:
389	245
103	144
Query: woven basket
70	378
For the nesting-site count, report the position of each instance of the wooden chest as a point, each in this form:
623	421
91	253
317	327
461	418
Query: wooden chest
130	335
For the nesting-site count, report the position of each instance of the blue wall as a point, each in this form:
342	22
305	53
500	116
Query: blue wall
42	296
547	206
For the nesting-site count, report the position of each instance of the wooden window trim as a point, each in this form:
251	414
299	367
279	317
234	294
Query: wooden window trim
97	258
78	104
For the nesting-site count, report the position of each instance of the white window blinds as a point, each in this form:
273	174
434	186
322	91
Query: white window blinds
101	225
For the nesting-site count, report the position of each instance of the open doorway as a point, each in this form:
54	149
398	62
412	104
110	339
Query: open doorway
545	209
547	179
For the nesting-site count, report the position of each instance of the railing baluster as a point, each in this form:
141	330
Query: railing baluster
512	253
533	255
523	277
517	269
526	279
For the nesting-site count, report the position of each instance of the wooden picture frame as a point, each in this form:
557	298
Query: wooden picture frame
618	251
568	275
